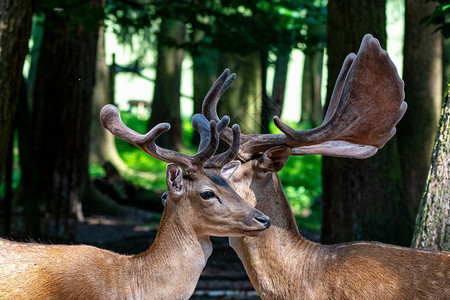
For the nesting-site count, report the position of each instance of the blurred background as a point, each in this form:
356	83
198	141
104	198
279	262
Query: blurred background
66	179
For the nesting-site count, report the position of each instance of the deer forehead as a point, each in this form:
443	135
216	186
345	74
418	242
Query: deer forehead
216	179
209	179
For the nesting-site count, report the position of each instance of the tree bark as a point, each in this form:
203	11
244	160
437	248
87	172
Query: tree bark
15	29
422	73
166	98
62	108
432	229
362	199
242	101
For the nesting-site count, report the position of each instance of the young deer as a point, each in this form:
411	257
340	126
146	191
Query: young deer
199	203
366	104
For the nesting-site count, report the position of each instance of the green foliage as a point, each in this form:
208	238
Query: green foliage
440	17
301	180
227	25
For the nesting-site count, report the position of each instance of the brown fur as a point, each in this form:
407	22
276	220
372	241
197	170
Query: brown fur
169	269
282	264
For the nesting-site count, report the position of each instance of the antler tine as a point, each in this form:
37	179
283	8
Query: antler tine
223	158
110	118
209	107
250	144
200	158
339	86
337	149
202	126
366	106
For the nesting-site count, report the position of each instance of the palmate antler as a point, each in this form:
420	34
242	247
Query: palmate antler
110	117
366	104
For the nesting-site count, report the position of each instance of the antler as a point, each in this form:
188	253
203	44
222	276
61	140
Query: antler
250	144
110	117
366	104
200	123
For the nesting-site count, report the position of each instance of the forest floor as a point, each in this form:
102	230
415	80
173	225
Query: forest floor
224	276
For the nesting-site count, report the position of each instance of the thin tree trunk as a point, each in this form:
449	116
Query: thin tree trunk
422	73
362	199
166	98
62	108
432	229
7	209
266	111
206	70
312	112
311	89
102	146
242	101
15	20
279	80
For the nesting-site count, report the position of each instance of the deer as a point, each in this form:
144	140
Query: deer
199	202
366	104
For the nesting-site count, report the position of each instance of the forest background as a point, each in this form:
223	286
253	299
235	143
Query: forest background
63	60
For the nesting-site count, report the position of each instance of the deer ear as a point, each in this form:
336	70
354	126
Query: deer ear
174	176
229	168
274	159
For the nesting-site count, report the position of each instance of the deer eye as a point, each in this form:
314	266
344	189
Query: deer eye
207	195
164	198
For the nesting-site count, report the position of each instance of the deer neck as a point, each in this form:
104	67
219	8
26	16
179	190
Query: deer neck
172	265
269	258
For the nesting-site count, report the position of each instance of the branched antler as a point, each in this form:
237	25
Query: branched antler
200	123
110	117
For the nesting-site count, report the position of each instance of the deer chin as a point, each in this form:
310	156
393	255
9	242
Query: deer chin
254	232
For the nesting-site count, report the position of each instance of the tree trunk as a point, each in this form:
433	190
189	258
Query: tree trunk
311	89
279	79
445	64
362	199
266	110
61	120
15	20
422	73
432	229
242	101
102	146
166	98
206	71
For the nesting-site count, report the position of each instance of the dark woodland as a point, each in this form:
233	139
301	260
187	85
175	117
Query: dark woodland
65	179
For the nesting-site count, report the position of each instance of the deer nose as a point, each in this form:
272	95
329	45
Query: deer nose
264	221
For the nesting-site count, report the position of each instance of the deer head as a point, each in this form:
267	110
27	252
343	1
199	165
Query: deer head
202	195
